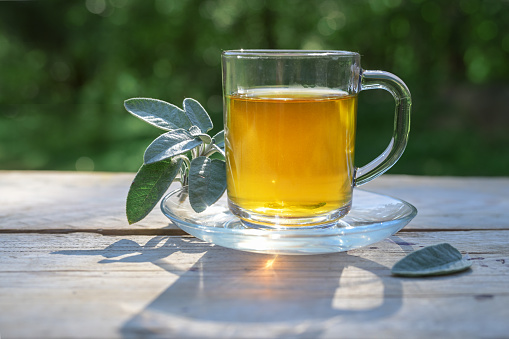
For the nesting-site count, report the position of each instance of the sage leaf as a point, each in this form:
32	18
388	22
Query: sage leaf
218	143
170	144
197	115
220	151
158	113
219	139
148	186
438	259
207	182
196	132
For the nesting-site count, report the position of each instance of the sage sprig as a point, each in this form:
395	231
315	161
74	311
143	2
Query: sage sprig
182	153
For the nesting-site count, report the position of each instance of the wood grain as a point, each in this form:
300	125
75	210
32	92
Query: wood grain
71	267
84	285
450	202
62	202
73	201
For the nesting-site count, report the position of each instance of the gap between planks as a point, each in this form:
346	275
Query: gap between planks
110	232
179	232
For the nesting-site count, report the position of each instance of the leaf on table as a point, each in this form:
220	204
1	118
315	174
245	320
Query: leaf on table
197	115
158	113
438	259
170	144
148	186
207	182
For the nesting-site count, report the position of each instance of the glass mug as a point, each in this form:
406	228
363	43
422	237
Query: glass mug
290	118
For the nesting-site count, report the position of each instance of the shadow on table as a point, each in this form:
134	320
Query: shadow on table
251	288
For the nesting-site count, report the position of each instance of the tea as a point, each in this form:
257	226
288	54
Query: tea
290	151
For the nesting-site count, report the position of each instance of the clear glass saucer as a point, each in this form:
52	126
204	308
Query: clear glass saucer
373	217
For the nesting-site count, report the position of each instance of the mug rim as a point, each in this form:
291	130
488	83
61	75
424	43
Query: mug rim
287	53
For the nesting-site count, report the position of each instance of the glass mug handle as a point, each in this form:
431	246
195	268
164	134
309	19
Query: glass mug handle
403	100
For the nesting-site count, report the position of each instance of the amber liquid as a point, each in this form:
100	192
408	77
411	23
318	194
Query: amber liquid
290	151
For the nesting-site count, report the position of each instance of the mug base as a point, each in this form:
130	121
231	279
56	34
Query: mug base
256	220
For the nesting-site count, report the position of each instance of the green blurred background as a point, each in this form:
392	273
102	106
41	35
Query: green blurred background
67	66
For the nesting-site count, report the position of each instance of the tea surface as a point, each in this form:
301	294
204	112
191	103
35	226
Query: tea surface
290	150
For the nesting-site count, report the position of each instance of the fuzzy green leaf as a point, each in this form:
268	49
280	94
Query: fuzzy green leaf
207	182
219	139
170	144
148	186
197	115
218	143
158	113
220	151
196	132
439	259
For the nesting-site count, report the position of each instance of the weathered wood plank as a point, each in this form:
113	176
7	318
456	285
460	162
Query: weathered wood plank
449	203
73	201
84	285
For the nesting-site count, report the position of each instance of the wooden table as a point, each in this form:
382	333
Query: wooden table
71	267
